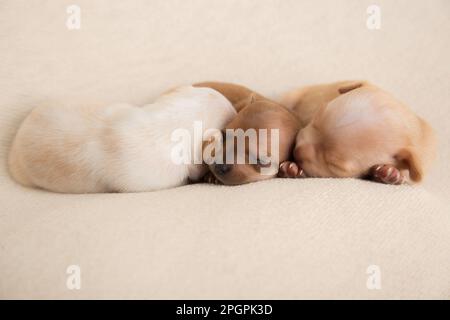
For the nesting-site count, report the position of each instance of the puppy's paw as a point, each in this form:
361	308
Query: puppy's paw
386	173
290	169
211	178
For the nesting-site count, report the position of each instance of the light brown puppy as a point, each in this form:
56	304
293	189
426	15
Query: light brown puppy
354	129
258	115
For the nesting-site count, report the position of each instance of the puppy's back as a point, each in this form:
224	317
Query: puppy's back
60	148
238	95
119	148
374	123
306	101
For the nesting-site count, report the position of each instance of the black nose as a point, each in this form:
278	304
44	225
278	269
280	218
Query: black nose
222	168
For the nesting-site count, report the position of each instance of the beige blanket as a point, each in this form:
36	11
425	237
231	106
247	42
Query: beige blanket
314	238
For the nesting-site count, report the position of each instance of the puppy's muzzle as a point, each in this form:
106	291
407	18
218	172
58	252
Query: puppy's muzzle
222	169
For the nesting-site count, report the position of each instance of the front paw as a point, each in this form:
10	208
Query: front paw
386	173
289	169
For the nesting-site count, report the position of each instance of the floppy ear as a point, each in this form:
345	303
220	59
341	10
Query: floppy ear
246	102
407	159
351	86
251	98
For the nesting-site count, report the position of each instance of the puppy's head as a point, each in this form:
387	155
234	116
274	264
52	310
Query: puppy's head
254	143
358	130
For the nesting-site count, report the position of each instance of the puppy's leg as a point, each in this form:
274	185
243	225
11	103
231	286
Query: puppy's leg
289	169
386	173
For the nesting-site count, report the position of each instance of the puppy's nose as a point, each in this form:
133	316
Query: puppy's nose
222	168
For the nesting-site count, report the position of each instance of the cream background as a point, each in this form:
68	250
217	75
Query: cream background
275	239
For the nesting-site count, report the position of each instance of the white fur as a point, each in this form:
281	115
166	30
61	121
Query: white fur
119	148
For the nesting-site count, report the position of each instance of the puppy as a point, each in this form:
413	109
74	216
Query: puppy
266	128
118	148
354	129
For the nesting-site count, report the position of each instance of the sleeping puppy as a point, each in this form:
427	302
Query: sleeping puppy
354	129
117	148
263	128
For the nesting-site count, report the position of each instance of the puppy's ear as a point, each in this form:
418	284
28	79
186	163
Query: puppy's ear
351	86
252	98
407	159
246	102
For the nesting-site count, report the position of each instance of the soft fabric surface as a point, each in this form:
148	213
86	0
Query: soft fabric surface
275	239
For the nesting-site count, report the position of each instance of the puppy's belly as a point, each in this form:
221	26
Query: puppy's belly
144	166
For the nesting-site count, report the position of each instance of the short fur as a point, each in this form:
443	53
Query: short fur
118	148
350	127
254	112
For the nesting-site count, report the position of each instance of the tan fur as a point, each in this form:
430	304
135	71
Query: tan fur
304	102
238	95
391	133
255	111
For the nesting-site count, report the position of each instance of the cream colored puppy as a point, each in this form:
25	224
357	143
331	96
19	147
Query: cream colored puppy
119	148
358	130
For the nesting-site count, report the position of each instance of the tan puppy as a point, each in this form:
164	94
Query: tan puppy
256	114
354	129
